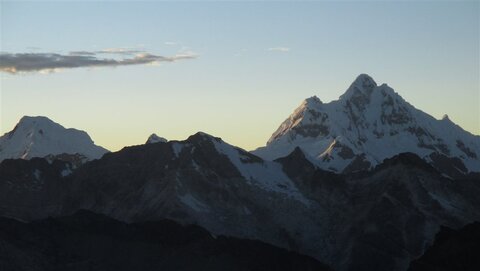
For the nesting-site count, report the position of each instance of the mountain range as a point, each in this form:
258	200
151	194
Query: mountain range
361	183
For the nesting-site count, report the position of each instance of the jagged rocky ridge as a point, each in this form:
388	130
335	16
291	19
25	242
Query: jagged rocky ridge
379	219
368	124
88	241
41	137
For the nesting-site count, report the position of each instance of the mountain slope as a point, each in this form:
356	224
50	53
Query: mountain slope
40	136
380	220
452	250
202	181
368	124
33	189
88	241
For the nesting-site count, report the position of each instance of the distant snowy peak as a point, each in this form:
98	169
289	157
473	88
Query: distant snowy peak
298	121
153	138
366	125
41	137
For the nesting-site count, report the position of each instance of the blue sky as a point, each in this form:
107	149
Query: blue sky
254	63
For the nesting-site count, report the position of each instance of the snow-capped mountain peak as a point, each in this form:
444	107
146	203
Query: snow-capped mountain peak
306	113
39	137
362	85
366	125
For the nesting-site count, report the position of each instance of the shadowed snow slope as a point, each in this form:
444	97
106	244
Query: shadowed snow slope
368	124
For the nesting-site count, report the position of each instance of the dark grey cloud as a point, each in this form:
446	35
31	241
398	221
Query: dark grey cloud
41	62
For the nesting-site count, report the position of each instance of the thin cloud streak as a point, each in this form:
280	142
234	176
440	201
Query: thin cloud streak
51	62
279	49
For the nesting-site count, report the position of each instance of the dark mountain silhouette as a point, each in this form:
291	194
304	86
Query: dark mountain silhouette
89	241
452	250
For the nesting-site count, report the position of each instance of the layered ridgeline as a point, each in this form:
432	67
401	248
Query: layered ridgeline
368	124
41	137
88	241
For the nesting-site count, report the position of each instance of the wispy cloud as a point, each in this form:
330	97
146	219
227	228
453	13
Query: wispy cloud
240	52
279	49
170	43
49	62
120	51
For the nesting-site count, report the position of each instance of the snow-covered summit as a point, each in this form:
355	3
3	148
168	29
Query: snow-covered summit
368	124
362	85
40	137
154	138
313	101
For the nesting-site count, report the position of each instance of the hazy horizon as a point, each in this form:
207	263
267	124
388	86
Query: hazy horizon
123	70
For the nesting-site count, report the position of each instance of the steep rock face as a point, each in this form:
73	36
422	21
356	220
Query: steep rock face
40	137
399	207
88	241
382	219
368	124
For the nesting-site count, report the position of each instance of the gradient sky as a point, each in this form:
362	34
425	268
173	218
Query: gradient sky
256	62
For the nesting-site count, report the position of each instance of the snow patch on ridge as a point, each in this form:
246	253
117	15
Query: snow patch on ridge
177	148
65	172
